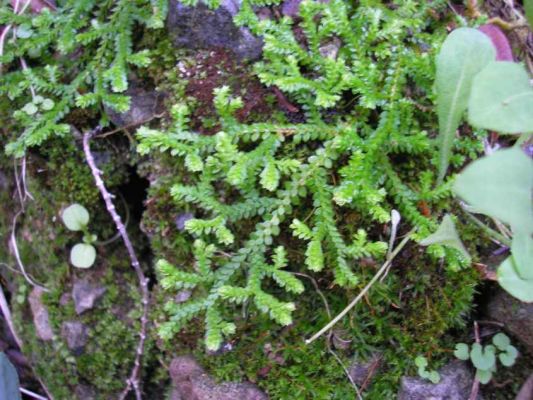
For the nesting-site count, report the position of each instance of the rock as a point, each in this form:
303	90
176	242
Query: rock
181	219
455	384
41	319
291	8
362	372
192	383
84	392
144	105
203	28
526	392
76	334
515	315
85	295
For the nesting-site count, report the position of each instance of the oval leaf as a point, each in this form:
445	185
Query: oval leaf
465	52
509	357
522	250
502	99
75	217
9	380
83	255
501	341
483	376
500	186
509	279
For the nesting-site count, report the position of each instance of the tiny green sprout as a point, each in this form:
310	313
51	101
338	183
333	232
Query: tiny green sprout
433	376
484	358
76	217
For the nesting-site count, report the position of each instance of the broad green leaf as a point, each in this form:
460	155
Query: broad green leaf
500	186
508	358
502	99
83	255
461	351
9	380
482	358
509	279
522	250
483	376
465	52
446	235
75	217
501	341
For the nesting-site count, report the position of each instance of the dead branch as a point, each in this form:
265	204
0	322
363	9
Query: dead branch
133	381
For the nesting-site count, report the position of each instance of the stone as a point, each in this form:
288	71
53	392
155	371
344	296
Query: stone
84	392
455	384
526	391
362	372
76	335
291	8
200	27
181	219
144	105
85	295
41	319
516	316
192	383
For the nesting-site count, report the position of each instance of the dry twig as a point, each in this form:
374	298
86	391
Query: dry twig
133	381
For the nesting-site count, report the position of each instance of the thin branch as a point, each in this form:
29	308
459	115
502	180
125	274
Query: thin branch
133	382
32	394
363	292
475	384
14	248
7	317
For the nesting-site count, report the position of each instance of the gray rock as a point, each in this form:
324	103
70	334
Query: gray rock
76	334
144	105
362	372
84	392
203	28
41	319
515	315
192	383
455	384
85	295
291	8
181	219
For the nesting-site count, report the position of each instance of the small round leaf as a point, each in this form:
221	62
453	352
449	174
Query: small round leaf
30	108
461	351
47	104
75	217
421	362
509	357
501	341
483	359
484	376
83	255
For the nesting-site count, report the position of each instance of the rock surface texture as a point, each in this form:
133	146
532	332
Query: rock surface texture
515	315
200	27
76	334
41	318
455	384
192	383
85	295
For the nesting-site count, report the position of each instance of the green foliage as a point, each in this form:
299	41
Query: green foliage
79	56
484	358
446	235
500	186
502	99
250	185
9	380
465	52
432	375
76	217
